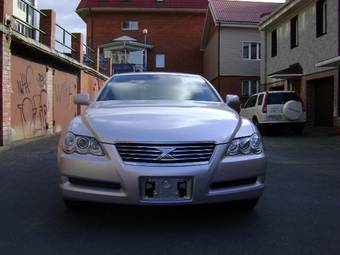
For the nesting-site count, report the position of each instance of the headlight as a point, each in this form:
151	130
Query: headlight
82	145
245	146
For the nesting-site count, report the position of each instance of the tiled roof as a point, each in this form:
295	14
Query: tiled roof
181	4
241	11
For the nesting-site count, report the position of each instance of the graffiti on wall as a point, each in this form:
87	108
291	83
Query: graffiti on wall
30	99
64	88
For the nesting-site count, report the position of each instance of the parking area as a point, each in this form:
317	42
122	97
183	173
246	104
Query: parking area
298	214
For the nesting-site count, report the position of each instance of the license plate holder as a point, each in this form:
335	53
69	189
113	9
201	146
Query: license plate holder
166	188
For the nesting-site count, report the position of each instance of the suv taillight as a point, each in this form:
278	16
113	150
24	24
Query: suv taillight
264	107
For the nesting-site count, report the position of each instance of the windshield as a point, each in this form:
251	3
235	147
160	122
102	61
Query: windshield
282	98
158	87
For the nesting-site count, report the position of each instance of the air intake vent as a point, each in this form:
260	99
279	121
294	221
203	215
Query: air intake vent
166	153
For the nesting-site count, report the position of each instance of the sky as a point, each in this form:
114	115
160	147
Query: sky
67	18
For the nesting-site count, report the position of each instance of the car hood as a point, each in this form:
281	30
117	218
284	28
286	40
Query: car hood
161	122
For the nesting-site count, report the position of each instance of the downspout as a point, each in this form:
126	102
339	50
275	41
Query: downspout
219	59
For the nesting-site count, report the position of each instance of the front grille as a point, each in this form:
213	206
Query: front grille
166	153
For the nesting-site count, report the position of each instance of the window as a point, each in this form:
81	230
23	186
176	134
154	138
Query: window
22	5
160	60
251	102
251	50
321	18
274	43
250	87
294	32
130	25
260	101
158	87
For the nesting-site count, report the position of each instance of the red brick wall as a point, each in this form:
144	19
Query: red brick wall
1	67
177	35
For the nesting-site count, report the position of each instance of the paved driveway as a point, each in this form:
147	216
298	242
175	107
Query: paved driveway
299	213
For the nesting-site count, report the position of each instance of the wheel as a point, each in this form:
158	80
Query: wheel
298	129
247	205
74	205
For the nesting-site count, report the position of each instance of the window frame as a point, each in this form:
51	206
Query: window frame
249	44
130	28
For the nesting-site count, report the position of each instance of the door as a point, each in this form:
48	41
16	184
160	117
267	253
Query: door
249	108
323	113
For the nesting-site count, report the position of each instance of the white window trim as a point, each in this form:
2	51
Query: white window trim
258	50
248	94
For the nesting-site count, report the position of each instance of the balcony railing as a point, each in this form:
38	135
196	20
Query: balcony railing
89	55
64	39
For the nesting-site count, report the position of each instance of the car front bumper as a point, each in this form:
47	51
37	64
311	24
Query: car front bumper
223	179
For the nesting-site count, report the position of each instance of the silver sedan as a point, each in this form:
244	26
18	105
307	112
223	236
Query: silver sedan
160	139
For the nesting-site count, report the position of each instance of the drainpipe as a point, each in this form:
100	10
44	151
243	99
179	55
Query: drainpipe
219	59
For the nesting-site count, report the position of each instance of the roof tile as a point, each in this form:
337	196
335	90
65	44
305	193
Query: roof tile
181	4
241	11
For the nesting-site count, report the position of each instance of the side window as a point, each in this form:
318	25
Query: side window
260	101
251	102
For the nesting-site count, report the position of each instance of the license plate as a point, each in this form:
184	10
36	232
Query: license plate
166	188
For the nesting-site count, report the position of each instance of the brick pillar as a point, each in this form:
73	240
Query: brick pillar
50	91
97	59
77	45
109	66
6	89
1	96
48	25
6	9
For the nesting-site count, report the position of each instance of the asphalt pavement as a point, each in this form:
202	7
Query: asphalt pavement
298	214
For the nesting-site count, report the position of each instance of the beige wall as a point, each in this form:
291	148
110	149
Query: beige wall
210	58
311	49
232	62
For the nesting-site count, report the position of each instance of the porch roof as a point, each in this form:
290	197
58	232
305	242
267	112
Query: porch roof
292	72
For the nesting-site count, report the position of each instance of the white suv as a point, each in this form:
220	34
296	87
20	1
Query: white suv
281	108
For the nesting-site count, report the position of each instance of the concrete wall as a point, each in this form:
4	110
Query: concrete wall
232	62
311	49
210	58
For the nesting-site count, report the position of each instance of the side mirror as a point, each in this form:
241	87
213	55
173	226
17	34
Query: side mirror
81	99
232	100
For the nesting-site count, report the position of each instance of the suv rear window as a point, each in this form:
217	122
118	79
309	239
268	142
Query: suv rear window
281	98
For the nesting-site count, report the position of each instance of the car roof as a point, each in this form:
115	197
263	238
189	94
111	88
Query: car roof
155	73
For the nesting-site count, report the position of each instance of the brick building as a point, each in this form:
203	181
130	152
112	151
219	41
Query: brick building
174	31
